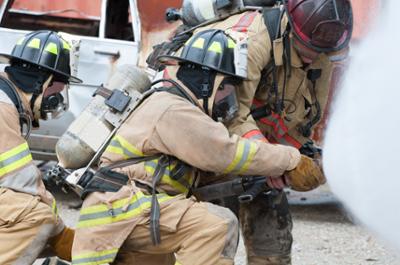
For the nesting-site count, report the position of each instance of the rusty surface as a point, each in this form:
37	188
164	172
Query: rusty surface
90	8
152	13
154	27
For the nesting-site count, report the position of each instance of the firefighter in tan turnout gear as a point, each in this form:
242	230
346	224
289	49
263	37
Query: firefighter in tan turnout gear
176	140
32	87
291	51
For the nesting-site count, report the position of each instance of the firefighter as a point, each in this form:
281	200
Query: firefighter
292	50
32	87
166	146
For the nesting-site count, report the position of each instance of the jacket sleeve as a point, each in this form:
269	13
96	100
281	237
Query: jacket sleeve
188	134
259	54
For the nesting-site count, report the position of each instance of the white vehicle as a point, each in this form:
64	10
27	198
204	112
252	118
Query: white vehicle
106	34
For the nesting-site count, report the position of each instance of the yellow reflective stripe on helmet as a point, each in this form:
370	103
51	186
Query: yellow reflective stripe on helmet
120	146
199	43
94	258
52	48
231	44
215	47
20	41
14	159
34	43
150	167
244	155
66	45
121	210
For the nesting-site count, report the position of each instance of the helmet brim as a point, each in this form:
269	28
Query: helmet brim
164	58
6	59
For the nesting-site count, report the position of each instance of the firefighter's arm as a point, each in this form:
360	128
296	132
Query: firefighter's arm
185	132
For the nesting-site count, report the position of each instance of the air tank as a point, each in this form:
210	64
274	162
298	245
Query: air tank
89	131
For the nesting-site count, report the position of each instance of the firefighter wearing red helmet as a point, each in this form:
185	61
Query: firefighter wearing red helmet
294	50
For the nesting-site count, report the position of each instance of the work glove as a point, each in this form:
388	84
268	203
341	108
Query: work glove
306	176
61	244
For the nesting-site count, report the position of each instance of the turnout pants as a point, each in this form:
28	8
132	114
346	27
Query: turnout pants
26	224
266	225
206	234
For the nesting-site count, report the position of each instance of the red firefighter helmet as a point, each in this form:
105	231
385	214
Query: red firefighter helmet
321	25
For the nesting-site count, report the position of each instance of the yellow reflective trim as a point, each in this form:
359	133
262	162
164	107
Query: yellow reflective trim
187	42
237	158
102	262
231	44
34	43
177	263
54	209
199	43
215	47
252	152
116	150
14	151
166	179
20	41
96	254
125	144
52	48
66	45
116	204
175	184
113	219
17	164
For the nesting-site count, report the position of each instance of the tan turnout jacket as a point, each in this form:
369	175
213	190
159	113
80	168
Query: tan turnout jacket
257	90
28	213
166	124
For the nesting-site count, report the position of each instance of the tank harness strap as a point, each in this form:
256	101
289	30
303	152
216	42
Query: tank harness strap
272	19
313	75
10	90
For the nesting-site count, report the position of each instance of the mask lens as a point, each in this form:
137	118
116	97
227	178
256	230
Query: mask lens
225	104
55	100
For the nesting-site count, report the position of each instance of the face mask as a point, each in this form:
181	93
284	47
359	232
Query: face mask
55	100
307	55
226	105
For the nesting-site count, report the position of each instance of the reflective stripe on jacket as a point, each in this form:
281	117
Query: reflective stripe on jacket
17	169
165	124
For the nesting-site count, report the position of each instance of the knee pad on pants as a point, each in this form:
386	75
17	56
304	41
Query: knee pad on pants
232	233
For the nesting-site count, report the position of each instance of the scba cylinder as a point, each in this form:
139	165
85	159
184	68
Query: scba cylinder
89	131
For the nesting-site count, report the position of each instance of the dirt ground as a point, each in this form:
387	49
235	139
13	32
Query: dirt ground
323	233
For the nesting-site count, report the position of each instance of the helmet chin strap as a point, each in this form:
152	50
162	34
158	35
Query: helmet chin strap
205	89
37	91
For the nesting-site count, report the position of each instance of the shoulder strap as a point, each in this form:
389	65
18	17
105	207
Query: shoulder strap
7	87
10	90
272	19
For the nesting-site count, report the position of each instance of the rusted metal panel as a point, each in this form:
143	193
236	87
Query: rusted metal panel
84	8
154	27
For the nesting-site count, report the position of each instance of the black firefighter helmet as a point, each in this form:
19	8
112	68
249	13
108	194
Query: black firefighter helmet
44	49
210	48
